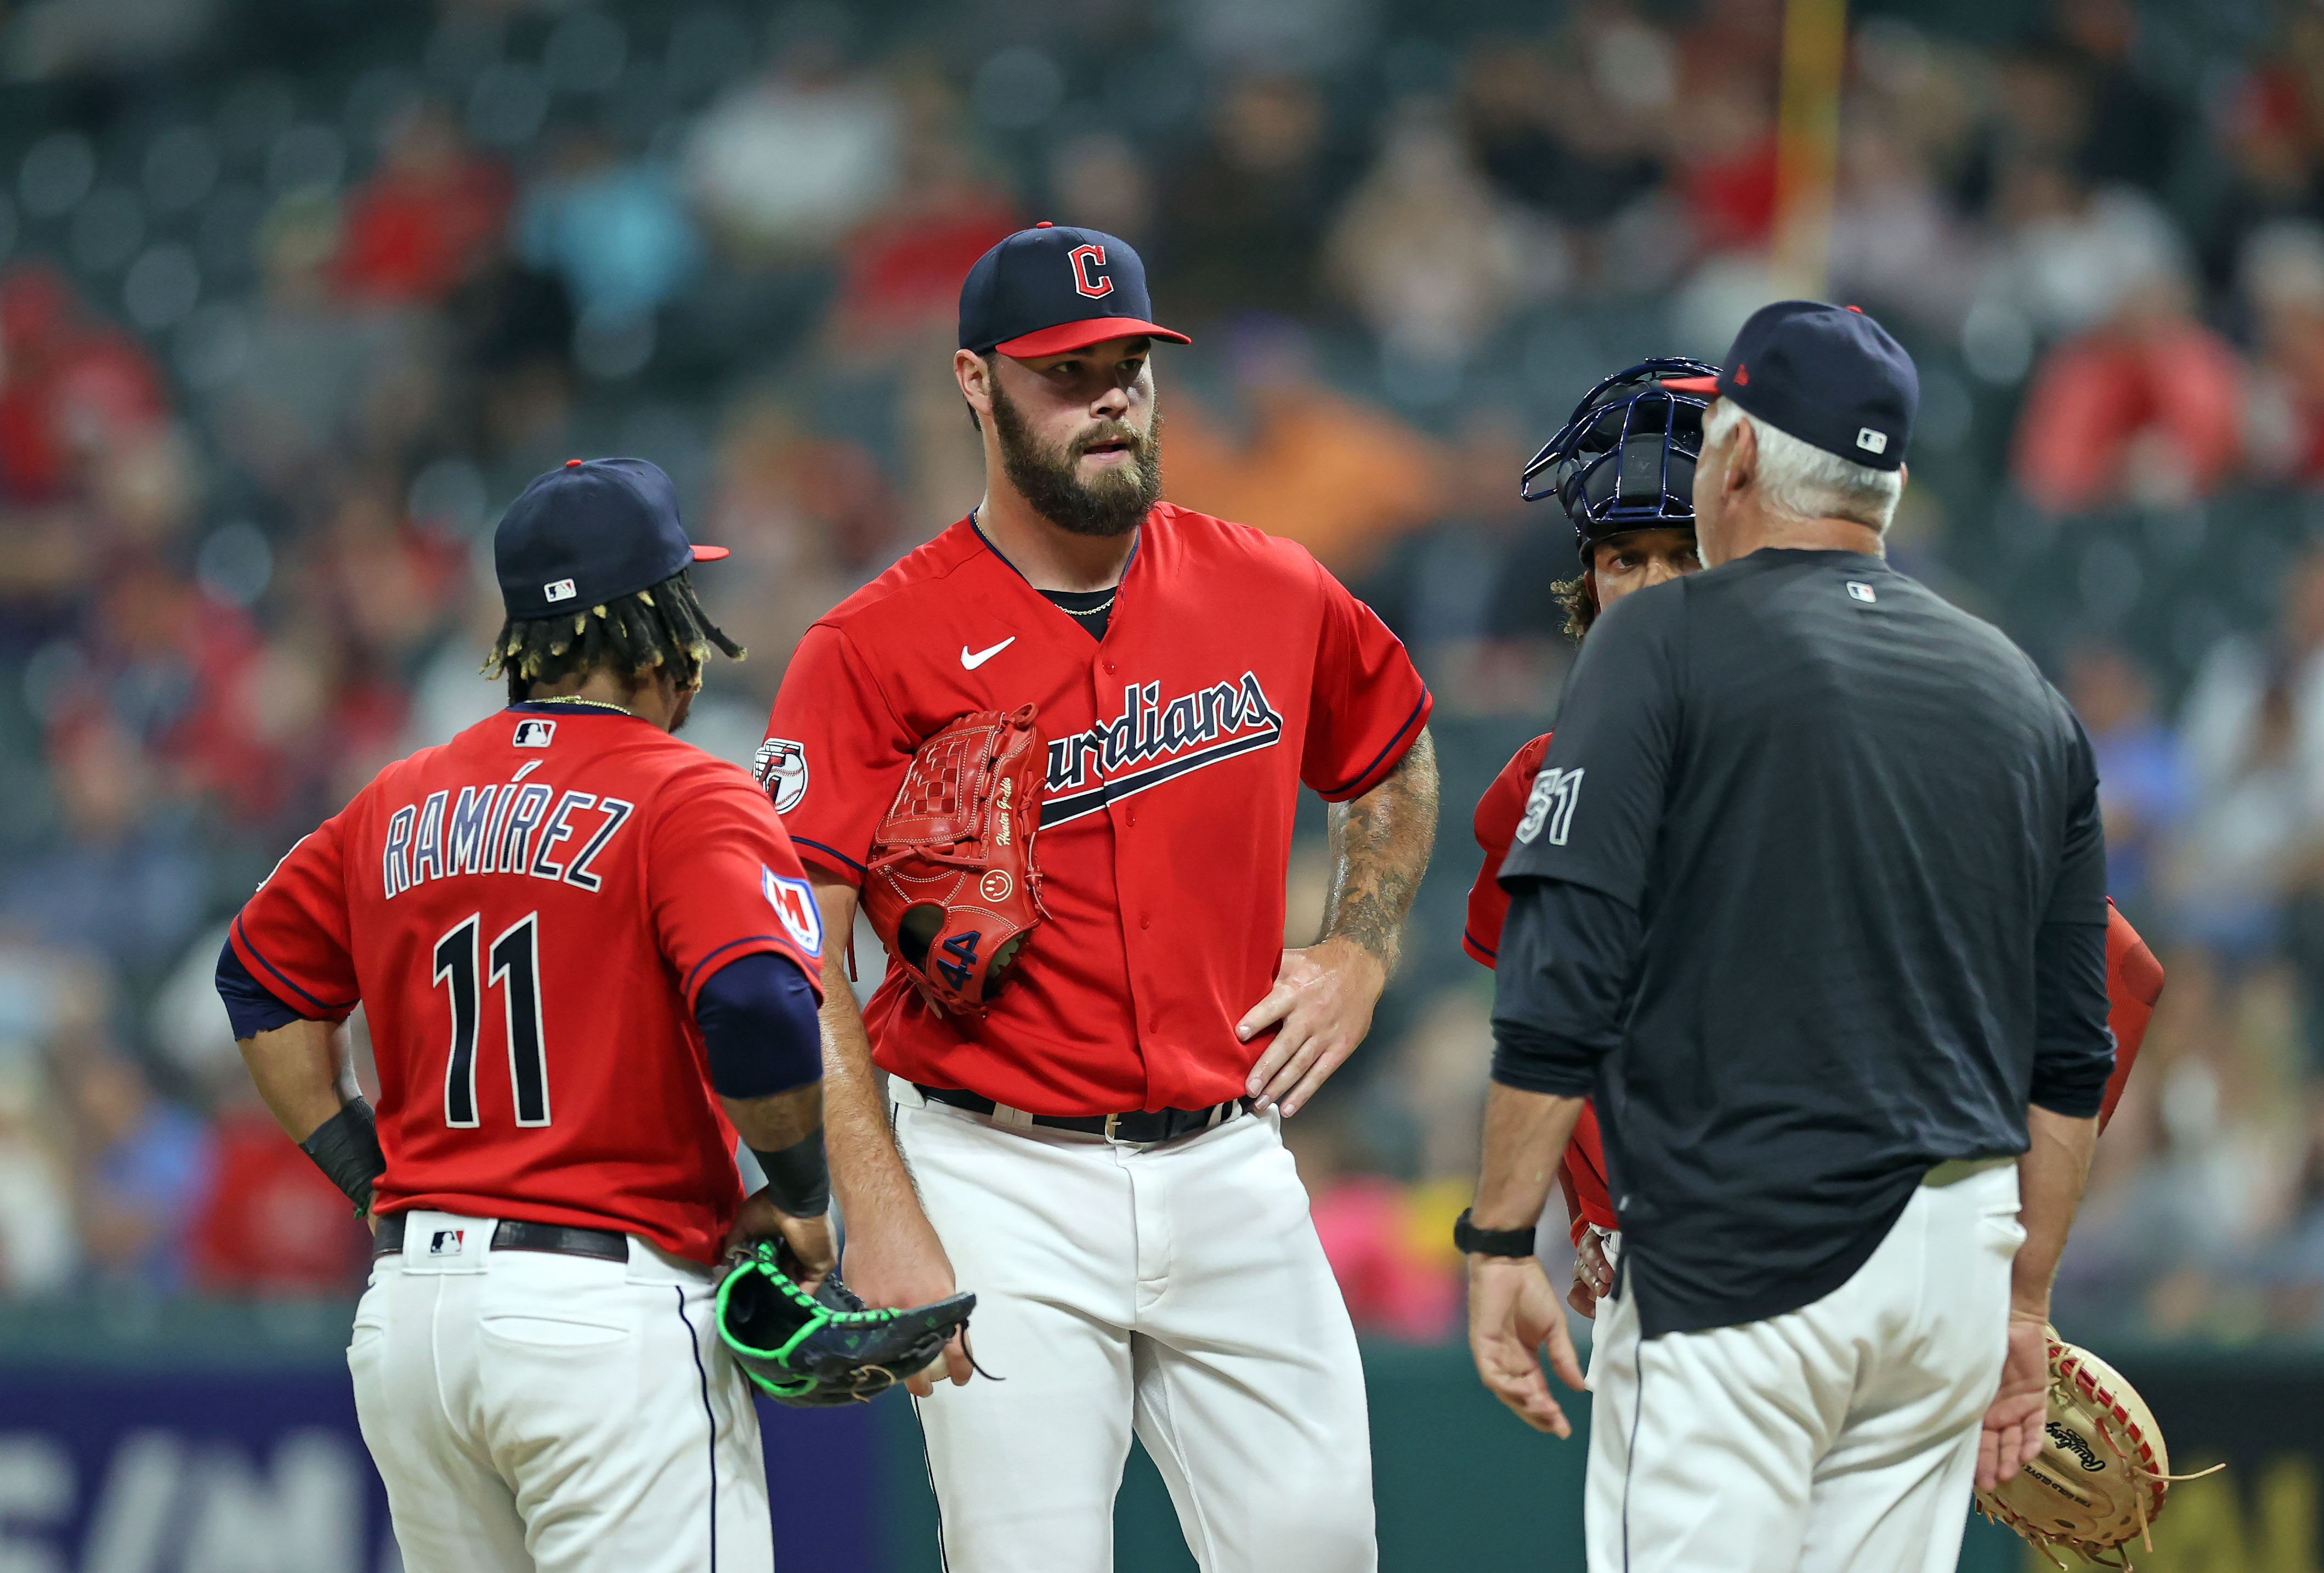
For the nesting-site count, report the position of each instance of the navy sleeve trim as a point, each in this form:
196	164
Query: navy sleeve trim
789	948
250	1005
1361	781
1478	948
829	852
325	1006
761	1030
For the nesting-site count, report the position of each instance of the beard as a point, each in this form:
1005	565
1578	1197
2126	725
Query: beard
1048	478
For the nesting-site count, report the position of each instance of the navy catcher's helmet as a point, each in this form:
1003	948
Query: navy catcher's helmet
1626	459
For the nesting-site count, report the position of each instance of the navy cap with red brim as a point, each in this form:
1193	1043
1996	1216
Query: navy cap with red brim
1049	290
1829	376
1081	334
588	532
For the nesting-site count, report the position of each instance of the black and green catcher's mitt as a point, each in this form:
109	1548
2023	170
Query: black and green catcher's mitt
828	1347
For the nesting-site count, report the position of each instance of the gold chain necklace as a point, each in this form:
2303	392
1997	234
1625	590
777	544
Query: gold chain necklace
578	699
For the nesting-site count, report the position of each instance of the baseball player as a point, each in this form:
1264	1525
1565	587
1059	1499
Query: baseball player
1623	469
565	929
1094	1144
1811	893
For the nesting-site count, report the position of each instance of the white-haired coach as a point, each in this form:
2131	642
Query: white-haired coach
1811	895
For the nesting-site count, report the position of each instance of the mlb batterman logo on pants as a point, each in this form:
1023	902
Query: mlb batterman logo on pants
1092	1130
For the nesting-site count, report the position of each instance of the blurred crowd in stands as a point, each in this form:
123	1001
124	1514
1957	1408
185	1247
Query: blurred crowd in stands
295	295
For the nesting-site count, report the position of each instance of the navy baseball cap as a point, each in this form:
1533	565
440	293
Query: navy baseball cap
588	532
1047	290
1829	376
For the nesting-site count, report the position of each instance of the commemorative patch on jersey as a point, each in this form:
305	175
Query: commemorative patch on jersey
1551	806
794	903
1151	742
781	769
532	732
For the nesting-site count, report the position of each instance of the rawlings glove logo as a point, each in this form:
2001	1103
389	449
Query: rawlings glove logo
2067	1442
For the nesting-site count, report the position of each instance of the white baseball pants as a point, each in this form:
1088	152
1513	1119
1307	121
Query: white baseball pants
1839	1438
538	1414
1178	1291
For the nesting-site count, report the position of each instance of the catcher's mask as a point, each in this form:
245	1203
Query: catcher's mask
1625	459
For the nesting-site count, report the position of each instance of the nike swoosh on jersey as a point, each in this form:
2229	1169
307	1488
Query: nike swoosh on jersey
973	661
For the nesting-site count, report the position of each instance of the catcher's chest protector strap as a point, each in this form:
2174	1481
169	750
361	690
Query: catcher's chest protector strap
952	888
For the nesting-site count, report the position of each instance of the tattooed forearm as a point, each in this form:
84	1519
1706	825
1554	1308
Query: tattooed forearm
1380	844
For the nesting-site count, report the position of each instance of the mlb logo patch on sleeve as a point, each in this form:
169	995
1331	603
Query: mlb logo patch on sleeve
794	903
532	732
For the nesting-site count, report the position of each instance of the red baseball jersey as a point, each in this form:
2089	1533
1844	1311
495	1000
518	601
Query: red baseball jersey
2133	979
1232	669
526	915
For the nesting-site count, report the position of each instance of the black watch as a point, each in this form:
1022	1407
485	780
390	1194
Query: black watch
1472	1241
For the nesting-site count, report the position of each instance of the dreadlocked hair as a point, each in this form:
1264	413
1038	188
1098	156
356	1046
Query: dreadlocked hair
1580	606
664	626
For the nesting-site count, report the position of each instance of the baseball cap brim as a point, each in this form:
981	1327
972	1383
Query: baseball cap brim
708	553
1081	334
1692	385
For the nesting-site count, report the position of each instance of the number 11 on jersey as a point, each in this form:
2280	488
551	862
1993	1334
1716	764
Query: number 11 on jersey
515	958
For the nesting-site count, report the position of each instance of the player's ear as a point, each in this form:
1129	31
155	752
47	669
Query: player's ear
1742	459
974	374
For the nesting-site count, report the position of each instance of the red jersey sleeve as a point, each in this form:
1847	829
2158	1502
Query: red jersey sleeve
835	754
294	933
2134	983
1498	813
1368	702
722	880
1583	1175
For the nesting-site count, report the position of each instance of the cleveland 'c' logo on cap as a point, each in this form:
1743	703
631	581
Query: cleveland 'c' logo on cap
1086	259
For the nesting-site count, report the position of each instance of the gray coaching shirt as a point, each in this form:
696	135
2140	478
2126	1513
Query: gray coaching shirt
1811	895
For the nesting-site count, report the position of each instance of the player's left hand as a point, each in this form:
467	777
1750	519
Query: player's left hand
1322	996
1513	1314
808	1238
1593	1275
2013	1433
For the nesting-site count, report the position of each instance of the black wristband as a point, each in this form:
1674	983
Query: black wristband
1472	1241
345	1148
798	1176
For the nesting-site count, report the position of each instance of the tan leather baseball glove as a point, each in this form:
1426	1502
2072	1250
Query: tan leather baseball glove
952	888
2099	1480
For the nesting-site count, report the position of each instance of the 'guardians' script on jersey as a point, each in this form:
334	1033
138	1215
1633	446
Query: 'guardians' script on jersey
1233	669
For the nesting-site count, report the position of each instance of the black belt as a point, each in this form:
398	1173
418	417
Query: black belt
516	1234
1141	1125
